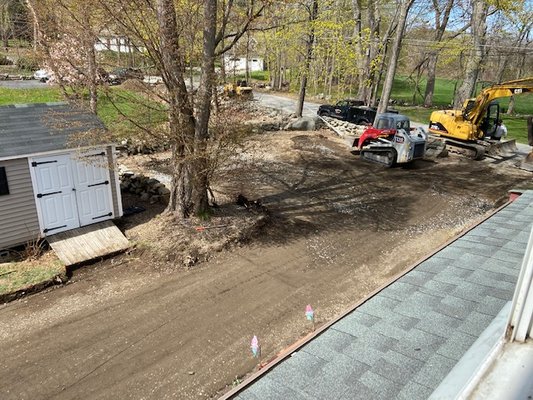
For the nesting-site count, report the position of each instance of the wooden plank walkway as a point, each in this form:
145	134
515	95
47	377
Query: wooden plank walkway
88	242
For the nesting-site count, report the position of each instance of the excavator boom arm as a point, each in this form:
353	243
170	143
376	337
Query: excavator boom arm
506	89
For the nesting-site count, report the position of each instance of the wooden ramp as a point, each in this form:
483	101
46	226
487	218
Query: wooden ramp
88	242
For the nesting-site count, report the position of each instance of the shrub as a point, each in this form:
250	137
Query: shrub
5	61
28	63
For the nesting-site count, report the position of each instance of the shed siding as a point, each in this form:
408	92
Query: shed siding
113	176
19	222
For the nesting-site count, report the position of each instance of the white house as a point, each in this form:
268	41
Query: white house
238	64
120	44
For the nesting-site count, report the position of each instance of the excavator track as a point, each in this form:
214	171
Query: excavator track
481	148
385	156
474	151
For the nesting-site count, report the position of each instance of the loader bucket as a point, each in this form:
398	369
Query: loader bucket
501	148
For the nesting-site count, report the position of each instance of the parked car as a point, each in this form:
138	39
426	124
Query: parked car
152	79
119	75
340	109
42	75
351	111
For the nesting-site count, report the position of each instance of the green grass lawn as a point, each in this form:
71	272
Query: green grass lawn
27	96
20	275
114	106
119	107
255	76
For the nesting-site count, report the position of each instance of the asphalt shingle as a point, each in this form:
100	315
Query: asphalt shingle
358	324
399	291
475	323
456	307
37	128
456	345
492	305
414	390
397	373
434	371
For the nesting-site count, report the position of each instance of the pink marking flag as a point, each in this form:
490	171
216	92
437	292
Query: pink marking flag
309	313
255	347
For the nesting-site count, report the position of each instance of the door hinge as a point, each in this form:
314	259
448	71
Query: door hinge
47	194
52	229
95	155
35	163
98	184
105	215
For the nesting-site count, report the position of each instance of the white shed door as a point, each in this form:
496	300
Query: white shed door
93	187
56	198
72	190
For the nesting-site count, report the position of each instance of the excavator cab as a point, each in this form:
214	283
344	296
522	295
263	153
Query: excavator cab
489	123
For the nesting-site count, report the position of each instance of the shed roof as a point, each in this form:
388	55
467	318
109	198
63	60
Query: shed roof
27	129
402	342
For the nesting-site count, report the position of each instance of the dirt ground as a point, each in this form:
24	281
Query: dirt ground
146	326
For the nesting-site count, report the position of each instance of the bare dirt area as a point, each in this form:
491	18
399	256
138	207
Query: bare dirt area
144	325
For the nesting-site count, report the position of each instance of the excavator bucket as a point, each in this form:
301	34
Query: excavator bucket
502	148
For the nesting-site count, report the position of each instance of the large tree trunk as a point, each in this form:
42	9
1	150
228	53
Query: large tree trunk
473	65
440	28
181	119
430	83
365	55
405	5
308	55
88	41
205	94
358	34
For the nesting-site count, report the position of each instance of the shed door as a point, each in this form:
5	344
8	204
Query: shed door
55	197
93	187
72	190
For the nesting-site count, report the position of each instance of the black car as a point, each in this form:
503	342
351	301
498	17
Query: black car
120	75
340	109
350	110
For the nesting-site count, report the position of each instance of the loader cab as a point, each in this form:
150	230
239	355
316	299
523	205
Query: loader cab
392	121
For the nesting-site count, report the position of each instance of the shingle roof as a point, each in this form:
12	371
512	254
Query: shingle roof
35	128
402	342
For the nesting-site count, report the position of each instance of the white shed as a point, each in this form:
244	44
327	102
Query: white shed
46	186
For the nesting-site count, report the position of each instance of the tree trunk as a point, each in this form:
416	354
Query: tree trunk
331	74
367	72
308	55
205	93
440	29
473	65
510	108
88	41
181	119
430	83
358	35
223	64
405	5
247	63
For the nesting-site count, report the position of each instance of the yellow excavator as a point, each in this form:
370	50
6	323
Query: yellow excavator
240	89
469	127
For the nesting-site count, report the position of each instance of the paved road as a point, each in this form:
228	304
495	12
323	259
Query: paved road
31	84
285	104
